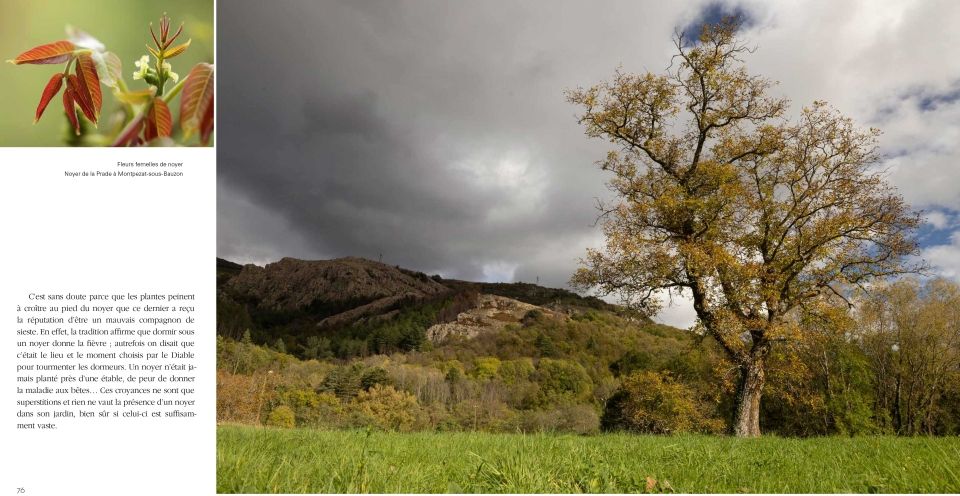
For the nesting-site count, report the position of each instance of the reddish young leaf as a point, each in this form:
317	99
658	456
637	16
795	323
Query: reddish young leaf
89	81
69	97
52	88
159	122
51	53
82	98
206	126
196	99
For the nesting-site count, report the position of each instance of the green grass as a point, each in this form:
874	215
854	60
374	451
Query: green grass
262	460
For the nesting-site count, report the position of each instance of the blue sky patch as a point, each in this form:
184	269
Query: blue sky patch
713	13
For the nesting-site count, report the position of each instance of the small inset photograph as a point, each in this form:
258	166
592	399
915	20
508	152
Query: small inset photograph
107	73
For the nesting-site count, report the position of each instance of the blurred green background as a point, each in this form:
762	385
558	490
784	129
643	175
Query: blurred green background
121	25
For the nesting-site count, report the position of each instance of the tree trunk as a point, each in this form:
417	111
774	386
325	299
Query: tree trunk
746	418
897	418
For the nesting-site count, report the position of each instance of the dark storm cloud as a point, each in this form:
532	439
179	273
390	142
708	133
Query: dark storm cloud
435	133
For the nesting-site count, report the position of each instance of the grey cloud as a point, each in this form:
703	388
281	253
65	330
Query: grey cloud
436	132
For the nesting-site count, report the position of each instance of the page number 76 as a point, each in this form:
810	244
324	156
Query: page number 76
21	490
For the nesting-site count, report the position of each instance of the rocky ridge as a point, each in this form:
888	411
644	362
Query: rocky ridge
490	313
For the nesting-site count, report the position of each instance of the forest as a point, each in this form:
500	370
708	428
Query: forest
888	367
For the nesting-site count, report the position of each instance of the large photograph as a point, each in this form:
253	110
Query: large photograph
107	73
564	247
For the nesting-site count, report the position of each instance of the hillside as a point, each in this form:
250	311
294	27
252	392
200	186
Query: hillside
292	284
355	343
332	293
487	356
351	299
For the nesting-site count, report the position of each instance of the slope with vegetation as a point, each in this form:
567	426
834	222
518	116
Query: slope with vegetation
559	362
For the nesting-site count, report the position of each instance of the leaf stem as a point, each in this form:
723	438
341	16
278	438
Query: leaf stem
122	84
175	90
122	87
66	70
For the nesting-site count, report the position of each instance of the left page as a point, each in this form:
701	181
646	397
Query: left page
108	219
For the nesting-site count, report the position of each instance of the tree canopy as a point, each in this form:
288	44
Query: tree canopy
721	197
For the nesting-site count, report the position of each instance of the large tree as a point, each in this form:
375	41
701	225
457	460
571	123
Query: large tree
722	198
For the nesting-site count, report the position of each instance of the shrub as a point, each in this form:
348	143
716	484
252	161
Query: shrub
516	371
312	409
630	362
426	383
386	408
486	367
453	374
655	403
485	415
318	348
578	419
373	377
532	317
239	397
344	381
438	418
545	346
282	416
562	381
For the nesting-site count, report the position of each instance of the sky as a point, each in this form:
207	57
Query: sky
436	136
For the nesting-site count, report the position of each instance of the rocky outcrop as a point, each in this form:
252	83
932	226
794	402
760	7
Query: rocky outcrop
490	313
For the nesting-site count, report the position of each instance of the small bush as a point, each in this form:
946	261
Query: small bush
516	371
239	397
578	419
344	381
490	415
386	408
531	318
655	403
486	367
562	381
282	416
312	409
373	377
630	362
545	346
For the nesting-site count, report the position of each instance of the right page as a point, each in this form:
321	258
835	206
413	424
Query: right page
563	247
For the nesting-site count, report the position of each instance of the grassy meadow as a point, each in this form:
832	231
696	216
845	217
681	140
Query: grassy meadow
267	460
